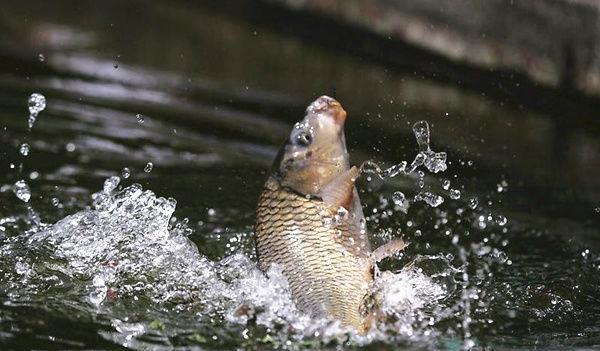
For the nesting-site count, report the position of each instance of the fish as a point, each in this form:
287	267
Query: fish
310	222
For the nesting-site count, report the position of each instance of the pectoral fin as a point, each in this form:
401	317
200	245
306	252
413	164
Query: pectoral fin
340	191
388	250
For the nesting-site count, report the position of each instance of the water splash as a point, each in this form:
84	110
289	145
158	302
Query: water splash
434	161
126	249
36	104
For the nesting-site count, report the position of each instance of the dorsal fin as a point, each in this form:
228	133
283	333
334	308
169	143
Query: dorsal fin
340	191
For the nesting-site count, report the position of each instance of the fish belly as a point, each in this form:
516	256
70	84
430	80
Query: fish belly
325	278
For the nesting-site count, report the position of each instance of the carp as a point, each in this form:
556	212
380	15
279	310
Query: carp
309	221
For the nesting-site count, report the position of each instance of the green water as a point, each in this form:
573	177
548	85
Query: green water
218	93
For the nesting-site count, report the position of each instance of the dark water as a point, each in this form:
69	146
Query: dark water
216	93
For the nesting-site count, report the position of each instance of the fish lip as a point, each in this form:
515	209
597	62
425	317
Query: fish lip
328	106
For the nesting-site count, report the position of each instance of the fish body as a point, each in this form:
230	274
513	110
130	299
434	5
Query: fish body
309	221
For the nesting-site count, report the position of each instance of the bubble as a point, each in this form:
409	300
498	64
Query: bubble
139	118
454	194
24	149
148	168
22	191
473	203
125	173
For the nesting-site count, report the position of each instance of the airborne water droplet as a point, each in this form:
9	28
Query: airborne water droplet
22	191
431	199
41	58
149	167
36	104
473	203
501	220
445	184
399	198
125	173
454	194
24	149
421	130
140	118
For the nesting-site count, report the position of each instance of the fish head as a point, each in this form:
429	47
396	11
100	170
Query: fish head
315	152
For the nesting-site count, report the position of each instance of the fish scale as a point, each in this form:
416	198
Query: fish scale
326	277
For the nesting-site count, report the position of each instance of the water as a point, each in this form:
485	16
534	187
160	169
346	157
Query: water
112	260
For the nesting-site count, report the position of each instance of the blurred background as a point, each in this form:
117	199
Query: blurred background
206	91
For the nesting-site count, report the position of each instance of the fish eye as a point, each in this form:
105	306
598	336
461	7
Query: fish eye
303	138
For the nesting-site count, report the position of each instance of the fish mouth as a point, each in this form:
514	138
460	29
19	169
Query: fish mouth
330	107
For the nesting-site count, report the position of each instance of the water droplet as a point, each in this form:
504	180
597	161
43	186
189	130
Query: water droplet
501	187
501	220
116	66
24	149
149	167
473	203
55	202
125	173
399	198
418	232
370	167
36	103
34	175
41	57
454	194
340	215
211	212
597	209
421	130
22	191
445	184
394	170
139	118
70	147
436	161
431	199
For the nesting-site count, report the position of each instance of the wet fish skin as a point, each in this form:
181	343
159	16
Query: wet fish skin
329	273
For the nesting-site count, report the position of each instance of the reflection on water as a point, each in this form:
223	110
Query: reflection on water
206	97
